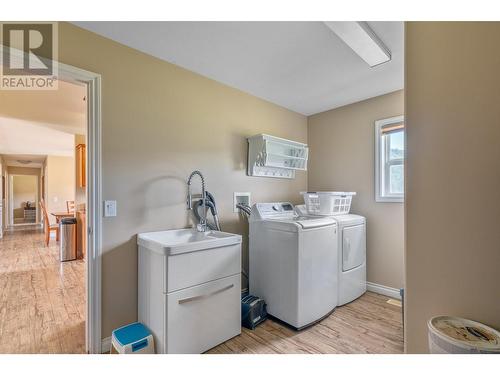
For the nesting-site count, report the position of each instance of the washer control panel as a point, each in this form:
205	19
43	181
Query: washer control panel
275	210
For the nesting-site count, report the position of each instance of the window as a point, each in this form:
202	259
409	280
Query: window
389	159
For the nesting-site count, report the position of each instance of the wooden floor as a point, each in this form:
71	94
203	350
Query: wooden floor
42	301
367	325
42	310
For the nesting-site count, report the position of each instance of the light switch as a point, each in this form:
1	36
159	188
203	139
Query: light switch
109	208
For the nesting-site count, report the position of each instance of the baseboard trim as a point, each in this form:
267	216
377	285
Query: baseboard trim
106	344
384	290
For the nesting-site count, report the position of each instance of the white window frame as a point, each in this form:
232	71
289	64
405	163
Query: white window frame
379	168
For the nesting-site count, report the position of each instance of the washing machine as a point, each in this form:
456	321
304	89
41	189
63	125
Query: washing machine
293	263
351	245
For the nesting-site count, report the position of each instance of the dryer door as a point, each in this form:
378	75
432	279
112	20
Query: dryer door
353	246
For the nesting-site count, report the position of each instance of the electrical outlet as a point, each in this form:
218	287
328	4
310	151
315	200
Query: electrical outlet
109	208
241	198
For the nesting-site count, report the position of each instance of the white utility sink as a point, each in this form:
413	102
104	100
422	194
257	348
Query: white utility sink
189	288
178	241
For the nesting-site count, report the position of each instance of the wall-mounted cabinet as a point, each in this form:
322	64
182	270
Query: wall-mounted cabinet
81	173
270	156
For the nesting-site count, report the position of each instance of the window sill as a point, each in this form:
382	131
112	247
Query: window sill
389	199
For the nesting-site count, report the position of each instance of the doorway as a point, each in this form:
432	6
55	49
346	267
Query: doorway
86	153
24	199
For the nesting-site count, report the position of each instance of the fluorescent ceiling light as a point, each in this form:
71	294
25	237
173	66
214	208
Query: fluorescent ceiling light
362	40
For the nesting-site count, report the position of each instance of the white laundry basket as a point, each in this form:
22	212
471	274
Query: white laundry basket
328	203
452	335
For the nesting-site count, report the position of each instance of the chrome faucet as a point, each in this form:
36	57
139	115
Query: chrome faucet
202	226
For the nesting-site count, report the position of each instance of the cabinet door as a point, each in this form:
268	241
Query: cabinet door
353	246
81	234
81	157
203	316
198	267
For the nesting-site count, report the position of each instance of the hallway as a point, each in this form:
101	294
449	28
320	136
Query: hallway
42	301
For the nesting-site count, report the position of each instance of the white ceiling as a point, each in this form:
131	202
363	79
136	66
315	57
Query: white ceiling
34	124
21	137
64	109
302	66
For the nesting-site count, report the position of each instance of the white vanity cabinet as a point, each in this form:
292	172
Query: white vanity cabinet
189	290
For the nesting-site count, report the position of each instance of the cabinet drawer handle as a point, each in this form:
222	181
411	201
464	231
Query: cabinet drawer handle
202	296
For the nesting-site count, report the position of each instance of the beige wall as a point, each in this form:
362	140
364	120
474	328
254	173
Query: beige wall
24	189
159	123
453	179
342	156
60	180
24	171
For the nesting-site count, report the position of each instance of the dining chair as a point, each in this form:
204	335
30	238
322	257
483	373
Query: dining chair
47	227
70	206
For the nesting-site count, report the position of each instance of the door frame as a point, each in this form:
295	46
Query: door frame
11	199
92	81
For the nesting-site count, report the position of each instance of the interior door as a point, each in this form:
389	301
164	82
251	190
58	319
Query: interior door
353	246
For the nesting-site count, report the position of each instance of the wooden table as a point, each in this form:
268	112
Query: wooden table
59	216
